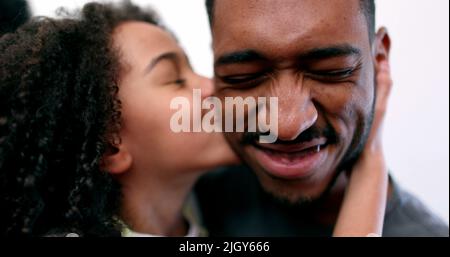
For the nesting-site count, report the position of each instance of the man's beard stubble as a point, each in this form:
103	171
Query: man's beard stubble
346	164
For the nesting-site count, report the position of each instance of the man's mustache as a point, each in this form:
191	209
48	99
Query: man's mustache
314	132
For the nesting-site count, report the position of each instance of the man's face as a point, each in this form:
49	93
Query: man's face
315	56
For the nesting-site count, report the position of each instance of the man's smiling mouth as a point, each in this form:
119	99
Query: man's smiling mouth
291	161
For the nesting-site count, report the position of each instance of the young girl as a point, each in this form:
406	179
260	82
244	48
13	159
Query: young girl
85	142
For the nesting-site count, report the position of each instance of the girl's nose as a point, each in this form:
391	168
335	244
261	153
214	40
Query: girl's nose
205	85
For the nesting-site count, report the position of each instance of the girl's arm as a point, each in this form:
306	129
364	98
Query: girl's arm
363	208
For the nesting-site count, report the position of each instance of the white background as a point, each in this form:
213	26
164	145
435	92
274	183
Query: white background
417	126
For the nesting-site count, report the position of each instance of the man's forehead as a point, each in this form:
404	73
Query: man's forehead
273	24
277	8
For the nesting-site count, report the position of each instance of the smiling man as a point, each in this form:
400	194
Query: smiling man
320	58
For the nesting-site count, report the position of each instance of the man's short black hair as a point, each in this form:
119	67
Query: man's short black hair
368	7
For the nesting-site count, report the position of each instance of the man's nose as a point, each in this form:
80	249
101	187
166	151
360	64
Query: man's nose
296	110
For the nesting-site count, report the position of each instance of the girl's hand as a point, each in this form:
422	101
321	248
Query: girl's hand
363	208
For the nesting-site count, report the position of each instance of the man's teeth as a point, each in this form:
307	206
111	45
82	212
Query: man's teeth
317	148
313	149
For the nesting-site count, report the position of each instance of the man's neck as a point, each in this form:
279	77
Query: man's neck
326	211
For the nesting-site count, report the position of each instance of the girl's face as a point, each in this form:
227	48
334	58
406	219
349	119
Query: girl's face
155	71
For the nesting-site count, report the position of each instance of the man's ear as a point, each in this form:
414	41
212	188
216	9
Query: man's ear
382	47
383	81
117	159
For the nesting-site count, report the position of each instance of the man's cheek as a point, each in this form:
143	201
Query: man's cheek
364	91
235	141
361	105
341	110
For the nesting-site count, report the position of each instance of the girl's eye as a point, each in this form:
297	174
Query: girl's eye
180	82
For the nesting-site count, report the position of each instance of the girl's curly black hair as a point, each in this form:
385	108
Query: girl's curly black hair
59	114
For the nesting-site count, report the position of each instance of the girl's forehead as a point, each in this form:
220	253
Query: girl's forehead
136	39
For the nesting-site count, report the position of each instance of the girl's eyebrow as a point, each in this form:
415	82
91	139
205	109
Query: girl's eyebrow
173	56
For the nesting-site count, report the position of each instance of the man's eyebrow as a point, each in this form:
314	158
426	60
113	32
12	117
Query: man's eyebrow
247	56
165	56
239	57
330	52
